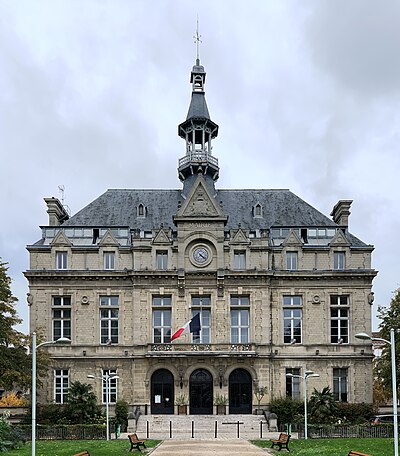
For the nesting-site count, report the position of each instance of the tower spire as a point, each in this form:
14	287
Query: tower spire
197	41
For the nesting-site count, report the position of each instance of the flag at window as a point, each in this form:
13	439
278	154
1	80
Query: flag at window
192	326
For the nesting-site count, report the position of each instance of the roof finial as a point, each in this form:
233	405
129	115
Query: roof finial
197	40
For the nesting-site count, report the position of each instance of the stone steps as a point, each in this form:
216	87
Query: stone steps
203	427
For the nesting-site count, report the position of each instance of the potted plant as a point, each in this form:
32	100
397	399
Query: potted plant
182	402
259	393
221	401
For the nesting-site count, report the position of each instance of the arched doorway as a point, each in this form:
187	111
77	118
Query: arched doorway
162	392
240	392
201	392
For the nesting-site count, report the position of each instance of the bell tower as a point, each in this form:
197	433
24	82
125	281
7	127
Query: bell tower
198	130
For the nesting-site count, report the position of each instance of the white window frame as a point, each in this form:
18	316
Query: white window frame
292	261
112	387
340	384
239	259
339	261
109	261
61	385
162	259
109	314
240	306
62	304
61	260
202	305
293	382
342	318
292	313
162	309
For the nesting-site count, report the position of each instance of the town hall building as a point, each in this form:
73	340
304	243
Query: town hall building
280	288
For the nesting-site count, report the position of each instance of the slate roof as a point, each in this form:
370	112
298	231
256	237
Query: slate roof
281	208
198	107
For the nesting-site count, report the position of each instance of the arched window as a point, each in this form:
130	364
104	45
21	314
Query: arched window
141	210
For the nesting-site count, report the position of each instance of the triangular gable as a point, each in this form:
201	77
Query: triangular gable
161	238
240	238
108	239
200	202
339	239
292	239
61	239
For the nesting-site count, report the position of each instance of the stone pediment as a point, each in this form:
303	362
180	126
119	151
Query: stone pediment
108	239
240	238
200	203
161	238
292	239
339	239
61	239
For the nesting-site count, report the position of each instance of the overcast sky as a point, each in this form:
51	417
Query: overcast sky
306	94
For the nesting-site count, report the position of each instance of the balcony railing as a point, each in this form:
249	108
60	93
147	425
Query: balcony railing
198	157
232	349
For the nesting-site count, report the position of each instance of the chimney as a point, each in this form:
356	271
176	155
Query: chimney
340	213
56	211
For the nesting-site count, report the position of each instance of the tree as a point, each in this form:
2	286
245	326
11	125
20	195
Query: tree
390	318
323	408
82	403
15	364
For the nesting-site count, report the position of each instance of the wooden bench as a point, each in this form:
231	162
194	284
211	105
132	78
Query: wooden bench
135	442
282	441
356	453
83	453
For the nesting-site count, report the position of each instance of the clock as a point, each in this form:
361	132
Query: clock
200	255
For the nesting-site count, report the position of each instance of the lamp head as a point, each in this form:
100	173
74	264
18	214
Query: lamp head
363	336
63	340
91	376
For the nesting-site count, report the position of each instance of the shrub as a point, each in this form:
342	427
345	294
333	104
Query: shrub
288	410
121	414
9	438
356	413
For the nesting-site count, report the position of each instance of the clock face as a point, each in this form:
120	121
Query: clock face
200	255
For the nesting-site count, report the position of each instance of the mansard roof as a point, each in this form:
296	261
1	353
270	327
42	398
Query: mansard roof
281	208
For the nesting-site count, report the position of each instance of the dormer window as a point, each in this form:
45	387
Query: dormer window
141	210
257	210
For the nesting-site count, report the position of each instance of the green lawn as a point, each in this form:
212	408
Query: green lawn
70	447
335	447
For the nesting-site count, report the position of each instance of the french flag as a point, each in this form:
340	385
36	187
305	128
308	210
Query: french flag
192	326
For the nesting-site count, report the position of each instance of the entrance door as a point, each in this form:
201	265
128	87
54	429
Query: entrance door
201	393
240	392
162	392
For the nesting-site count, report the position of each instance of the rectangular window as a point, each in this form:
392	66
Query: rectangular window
340	380
109	260
202	305
240	319
61	385
339	320
292	319
293	383
239	259
162	259
338	261
291	261
112	387
61	260
161	319
61	317
108	320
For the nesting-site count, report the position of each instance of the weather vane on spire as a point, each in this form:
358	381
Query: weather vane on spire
197	41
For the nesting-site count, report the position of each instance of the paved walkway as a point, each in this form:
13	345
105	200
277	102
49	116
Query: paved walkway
208	448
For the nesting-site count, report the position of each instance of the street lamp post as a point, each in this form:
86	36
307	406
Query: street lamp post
33	392
307	374
106	378
392	344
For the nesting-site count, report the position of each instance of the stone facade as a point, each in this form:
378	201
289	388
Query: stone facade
280	289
